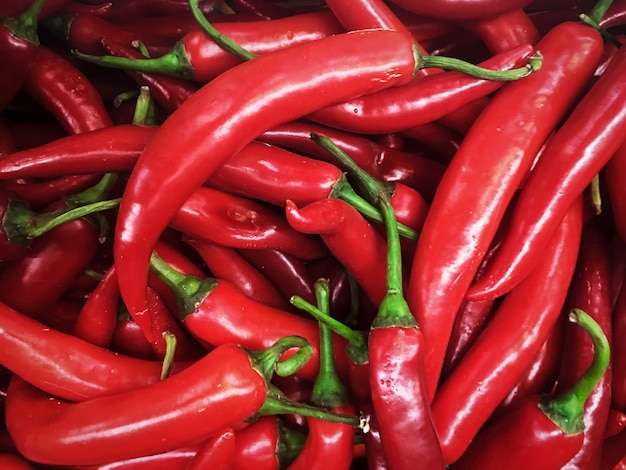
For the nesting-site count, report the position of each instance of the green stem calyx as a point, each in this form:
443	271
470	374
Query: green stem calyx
394	309
189	291
24	25
567	409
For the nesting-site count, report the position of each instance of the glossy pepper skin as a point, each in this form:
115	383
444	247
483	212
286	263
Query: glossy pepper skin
571	159
437	284
518	331
76	370
544	431
259	94
221	389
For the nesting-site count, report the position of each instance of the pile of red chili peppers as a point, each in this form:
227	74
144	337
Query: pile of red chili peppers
369	234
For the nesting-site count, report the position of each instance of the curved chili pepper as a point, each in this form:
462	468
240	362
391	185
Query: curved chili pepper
327	444
461	10
589	292
96	320
349	237
505	31
384	163
252	97
541	376
419	102
199	58
242	223
217	453
178	459
438	284
66	93
128	338
615	424
396	357
87	32
515	333
216	312
543	432
618	382
65	365
222	389
571	159
18	47
226	263
440	142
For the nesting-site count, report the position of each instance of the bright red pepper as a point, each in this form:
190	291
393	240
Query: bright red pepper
461	10
543	432
217	453
222	389
505	31
247	100
14	462
438	284
515	333
572	157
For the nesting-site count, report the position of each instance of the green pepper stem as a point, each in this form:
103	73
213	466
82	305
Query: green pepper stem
22	225
567	409
174	63
357	340
224	42
393	309
276	403
170	351
189	291
328	391
267	361
451	63
346	193
290	443
24	25
599	10
145	110
586	19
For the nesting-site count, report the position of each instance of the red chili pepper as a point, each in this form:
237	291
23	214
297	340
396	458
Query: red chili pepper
216	312
419	102
217	453
589	291
349	237
397	380
572	157
199	58
86	153
65	365
242	223
97	318
613	455
222	389
31	283
18	47
266	444
328	445
287	272
65	92
461	10
263	9
543	432
14	462
436	140
178	459
505	31
515	334
384	163
226	263
615	424
252	98
132	9
438	284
